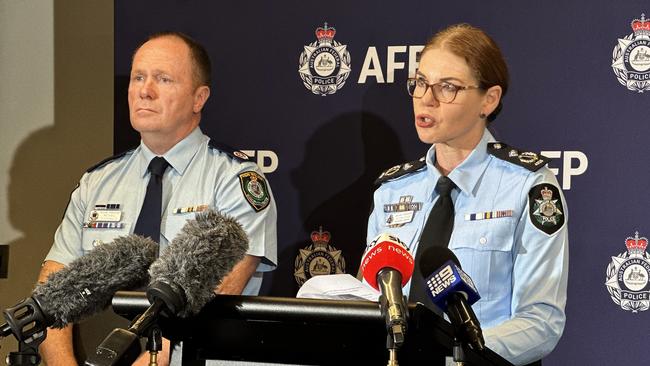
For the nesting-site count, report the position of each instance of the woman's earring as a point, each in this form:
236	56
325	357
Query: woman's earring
482	115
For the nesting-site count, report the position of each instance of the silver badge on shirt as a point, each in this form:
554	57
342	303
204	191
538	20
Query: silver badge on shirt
402	212
105	216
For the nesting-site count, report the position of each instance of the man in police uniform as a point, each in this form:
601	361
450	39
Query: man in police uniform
169	84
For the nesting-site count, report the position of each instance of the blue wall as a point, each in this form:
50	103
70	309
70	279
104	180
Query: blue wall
564	99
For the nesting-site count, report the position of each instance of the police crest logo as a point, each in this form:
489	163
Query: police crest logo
627	276
324	65
631	57
255	190
318	258
546	210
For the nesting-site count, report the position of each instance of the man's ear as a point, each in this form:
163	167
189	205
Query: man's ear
201	95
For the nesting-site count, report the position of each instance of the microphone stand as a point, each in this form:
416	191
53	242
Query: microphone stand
154	344
458	352
121	346
27	355
27	322
394	315
465	334
392	351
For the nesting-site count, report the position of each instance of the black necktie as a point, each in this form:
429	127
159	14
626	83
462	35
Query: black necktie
148	224
436	232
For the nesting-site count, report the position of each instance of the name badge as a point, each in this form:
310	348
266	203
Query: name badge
106	215
399	218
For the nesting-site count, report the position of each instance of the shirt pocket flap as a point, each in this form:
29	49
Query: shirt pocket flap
93	237
485	235
174	224
408	235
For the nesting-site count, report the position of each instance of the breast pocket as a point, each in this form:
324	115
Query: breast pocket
93	237
484	250
174	224
407	234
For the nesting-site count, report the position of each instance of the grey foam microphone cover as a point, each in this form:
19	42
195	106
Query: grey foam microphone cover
87	285
201	255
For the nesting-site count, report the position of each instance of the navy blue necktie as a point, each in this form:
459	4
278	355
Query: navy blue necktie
148	224
436	232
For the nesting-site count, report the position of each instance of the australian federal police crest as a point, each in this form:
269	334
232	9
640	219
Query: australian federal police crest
631	57
627	276
324	64
319	258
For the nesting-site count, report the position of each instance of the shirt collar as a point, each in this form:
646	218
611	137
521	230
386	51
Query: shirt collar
469	172
178	157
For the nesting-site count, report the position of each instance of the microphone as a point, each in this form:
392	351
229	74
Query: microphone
387	266
453	291
183	280
205	251
82	288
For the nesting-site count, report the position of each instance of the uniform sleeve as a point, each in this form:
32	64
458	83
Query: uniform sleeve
241	199
539	278
374	220
67	238
374	228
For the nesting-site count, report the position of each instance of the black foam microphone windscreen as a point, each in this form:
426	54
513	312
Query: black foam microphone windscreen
87	284
201	255
82	288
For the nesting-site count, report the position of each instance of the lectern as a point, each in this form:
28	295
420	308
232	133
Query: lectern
303	331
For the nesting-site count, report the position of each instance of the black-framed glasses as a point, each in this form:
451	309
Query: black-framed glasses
444	91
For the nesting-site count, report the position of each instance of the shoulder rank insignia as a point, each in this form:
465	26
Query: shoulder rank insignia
529	160
255	190
545	208
234	153
108	160
401	170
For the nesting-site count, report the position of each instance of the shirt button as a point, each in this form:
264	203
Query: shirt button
482	240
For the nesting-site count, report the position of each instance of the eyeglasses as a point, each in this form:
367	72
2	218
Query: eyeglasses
443	92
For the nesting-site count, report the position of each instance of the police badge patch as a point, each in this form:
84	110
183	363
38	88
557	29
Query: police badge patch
324	65
318	258
631	57
255	191
627	276
545	208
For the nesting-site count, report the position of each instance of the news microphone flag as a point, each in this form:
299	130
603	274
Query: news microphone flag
386	251
447	279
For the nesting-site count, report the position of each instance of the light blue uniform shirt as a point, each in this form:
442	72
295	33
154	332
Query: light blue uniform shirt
520	271
198	175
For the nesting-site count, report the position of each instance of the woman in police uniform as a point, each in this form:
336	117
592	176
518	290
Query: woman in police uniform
509	217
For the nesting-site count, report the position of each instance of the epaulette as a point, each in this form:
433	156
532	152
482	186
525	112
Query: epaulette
401	170
108	160
529	160
234	153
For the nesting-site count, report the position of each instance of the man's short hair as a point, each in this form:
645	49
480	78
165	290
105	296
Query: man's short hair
202	67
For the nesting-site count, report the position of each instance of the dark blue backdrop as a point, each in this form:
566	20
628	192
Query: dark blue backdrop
564	99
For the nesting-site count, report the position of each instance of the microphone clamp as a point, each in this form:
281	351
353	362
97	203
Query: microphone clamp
173	297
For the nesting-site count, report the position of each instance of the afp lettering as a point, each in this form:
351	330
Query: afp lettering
396	58
267	160
574	163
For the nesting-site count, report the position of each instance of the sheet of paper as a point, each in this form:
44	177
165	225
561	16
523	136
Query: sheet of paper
337	287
